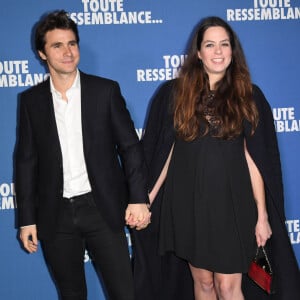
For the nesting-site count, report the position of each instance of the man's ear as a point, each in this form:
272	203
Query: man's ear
42	55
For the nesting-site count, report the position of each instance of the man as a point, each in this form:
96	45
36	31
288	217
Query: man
71	189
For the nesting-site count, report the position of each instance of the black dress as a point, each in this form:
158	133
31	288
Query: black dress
208	212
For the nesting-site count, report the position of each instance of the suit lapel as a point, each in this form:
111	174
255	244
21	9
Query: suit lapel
47	112
85	112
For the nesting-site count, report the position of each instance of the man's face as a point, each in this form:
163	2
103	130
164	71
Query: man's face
61	52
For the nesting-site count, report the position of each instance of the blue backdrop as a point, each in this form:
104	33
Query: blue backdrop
142	43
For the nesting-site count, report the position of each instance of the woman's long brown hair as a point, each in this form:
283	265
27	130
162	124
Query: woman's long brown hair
233	101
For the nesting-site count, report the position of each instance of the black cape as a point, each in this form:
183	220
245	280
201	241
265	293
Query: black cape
263	148
158	277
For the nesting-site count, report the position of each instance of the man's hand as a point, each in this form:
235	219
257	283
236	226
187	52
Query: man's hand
28	236
137	215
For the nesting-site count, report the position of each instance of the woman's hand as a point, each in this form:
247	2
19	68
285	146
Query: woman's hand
137	215
263	232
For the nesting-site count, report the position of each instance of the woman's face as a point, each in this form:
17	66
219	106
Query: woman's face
215	53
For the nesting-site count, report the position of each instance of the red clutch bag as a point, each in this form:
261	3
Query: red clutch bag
260	271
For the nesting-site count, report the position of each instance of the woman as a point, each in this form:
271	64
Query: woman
223	188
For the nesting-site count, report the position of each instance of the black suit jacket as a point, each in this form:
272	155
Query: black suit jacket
112	154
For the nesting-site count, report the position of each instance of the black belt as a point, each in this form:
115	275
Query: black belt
78	198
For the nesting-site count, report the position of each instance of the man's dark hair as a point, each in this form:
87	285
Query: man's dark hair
55	20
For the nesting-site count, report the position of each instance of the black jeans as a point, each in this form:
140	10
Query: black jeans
81	226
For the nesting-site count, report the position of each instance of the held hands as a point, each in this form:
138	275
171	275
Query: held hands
28	236
262	232
137	215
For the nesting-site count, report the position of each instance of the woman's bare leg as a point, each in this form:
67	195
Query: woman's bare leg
228	286
203	284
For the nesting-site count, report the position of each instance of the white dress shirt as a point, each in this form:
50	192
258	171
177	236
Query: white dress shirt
69	126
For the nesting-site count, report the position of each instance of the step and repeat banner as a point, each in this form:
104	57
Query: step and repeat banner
142	43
